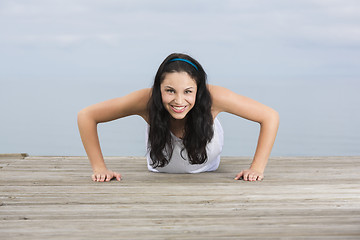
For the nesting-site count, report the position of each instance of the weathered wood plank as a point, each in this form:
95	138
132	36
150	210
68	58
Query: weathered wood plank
54	198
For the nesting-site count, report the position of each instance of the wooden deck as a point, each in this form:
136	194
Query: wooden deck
300	198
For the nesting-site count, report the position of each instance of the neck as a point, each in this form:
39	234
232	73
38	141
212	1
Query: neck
177	123
177	127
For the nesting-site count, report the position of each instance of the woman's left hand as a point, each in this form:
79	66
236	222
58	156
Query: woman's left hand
250	175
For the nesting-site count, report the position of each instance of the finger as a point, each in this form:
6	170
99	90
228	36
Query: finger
118	176
102	177
258	177
97	177
239	175
108	177
246	176
254	177
251	177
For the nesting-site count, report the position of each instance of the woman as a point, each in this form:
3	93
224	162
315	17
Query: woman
184	135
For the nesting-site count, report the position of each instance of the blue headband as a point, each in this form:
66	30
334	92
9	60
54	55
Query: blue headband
184	60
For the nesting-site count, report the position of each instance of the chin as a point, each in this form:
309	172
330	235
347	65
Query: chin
178	116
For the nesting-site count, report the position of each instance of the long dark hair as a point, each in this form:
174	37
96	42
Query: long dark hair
199	121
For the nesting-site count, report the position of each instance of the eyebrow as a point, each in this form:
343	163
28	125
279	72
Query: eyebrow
174	88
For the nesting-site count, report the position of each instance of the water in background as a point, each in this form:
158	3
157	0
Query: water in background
318	117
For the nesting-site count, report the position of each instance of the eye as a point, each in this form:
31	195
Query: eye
170	90
188	91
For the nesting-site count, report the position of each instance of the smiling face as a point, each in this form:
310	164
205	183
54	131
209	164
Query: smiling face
178	92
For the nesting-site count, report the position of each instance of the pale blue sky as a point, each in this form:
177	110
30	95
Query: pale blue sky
105	37
59	56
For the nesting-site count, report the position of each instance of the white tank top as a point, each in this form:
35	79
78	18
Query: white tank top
178	164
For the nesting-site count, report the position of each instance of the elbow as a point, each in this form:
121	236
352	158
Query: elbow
83	116
275	117
80	116
271	117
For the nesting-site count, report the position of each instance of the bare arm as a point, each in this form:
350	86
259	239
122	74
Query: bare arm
225	100
88	118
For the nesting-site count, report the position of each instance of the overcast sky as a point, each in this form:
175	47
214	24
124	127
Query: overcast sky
253	37
58	56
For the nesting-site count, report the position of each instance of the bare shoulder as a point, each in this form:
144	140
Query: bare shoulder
137	102
134	103
220	96
225	100
143	94
217	90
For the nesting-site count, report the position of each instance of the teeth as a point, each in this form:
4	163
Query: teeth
178	108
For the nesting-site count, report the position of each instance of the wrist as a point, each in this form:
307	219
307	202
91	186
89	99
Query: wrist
257	168
258	164
100	168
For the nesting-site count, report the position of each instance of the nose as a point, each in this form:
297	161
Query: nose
179	99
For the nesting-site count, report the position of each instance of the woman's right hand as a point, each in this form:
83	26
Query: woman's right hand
105	175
